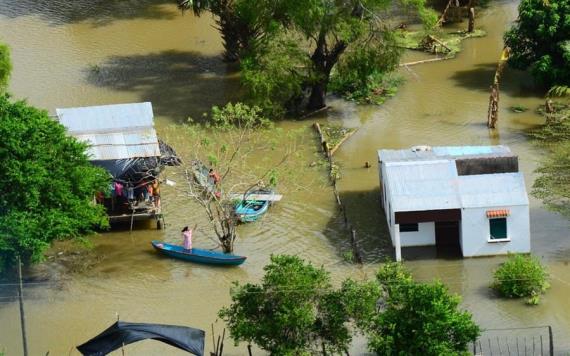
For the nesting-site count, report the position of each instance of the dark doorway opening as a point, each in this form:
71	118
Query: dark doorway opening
447	239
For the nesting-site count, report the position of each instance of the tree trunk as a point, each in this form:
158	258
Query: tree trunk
317	98
471	25
323	63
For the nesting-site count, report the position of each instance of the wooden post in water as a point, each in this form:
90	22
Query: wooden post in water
21	299
493	112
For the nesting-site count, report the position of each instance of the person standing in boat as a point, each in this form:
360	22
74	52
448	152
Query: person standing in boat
215	176
187	236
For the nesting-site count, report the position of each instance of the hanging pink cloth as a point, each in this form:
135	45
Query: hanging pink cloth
187	239
118	189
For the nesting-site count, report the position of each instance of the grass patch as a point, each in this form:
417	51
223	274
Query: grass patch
417	40
378	88
518	109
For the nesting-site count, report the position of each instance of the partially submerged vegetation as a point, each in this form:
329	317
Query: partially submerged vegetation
553	182
521	277
447	43
335	135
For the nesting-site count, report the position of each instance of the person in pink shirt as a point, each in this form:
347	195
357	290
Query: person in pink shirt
187	236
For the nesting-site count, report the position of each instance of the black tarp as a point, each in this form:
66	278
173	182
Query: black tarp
124	333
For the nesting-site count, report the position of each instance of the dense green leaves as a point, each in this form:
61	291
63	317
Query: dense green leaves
539	40
275	75
417	318
295	310
521	276
48	183
5	67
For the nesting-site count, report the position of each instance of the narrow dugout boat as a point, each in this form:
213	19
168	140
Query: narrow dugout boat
198	255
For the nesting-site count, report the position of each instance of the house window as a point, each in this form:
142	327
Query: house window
408	227
498	229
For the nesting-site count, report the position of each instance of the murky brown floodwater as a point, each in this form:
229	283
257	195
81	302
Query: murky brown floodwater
99	52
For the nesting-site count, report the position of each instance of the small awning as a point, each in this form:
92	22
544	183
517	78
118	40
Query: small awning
501	213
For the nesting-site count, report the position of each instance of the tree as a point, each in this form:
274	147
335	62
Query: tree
245	149
48	184
539	40
5	67
323	31
521	276
238	24
417	318
295	310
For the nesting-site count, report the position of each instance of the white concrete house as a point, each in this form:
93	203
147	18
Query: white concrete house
473	197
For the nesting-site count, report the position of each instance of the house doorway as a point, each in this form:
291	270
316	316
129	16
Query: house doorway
447	239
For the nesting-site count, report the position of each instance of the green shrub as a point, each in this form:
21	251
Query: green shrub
521	277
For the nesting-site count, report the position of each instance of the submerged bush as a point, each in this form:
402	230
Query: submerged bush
521	277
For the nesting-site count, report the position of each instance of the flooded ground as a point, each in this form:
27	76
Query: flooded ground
100	52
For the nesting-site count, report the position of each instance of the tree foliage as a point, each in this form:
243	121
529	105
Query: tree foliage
288	48
295	310
245	149
241	22
5	67
49	184
323	32
521	276
417	318
540	40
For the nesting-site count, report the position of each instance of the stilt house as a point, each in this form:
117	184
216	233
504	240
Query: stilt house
470	197
122	139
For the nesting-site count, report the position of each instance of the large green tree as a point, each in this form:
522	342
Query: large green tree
295	310
5	67
312	38
48	184
417	318
540	40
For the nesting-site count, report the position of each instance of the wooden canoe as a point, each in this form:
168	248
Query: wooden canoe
198	255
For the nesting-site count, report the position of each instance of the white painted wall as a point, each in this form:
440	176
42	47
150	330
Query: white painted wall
425	236
475	232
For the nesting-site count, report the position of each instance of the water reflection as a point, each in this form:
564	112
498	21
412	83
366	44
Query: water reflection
96	12
153	76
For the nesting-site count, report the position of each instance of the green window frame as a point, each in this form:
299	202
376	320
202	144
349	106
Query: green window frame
498	229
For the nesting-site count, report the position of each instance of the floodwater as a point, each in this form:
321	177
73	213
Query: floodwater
100	52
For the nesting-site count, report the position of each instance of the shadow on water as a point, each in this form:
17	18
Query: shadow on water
366	216
179	84
96	12
514	82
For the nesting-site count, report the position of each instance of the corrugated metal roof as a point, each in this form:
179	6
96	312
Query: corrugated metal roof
434	185
492	190
113	131
443	152
427	185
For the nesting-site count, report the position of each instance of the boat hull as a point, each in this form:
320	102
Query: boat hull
198	255
252	210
